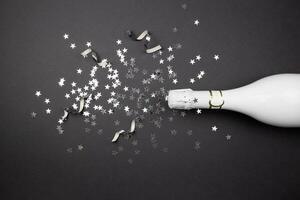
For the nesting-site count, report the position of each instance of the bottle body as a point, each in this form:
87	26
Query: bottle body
273	100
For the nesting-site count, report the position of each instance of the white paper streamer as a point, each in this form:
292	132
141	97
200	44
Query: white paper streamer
132	126
81	105
117	135
154	49
86	52
64	117
142	35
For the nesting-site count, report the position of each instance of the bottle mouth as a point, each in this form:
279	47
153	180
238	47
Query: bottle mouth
178	99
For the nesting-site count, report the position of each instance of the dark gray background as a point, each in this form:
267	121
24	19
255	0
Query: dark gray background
254	39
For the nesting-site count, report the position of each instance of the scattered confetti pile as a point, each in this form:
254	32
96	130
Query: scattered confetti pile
110	95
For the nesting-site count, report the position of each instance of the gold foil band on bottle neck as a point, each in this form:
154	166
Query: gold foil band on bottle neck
216	100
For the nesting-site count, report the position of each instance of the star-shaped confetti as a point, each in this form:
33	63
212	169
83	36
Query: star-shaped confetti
214	128
88	44
47	101
108	95
33	114
198	111
216	57
61	82
72	46
48	111
79	71
126	108
119	42
38	93
228	137
66	36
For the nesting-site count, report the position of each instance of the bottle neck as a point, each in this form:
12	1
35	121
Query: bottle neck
211	99
190	99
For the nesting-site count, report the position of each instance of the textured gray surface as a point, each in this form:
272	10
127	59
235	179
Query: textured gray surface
254	39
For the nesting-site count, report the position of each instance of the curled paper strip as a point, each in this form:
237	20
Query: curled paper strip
150	48
81	105
132	126
154	49
66	114
133	36
142	35
86	52
72	111
122	132
67	111
95	56
93	53
117	135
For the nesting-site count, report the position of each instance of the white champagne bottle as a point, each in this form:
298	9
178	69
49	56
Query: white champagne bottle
274	100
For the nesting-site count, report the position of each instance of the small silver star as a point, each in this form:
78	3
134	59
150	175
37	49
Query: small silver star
130	160
73	84
228	137
67	95
214	128
117	122
38	93
196	22
216	57
197	145
48	111
33	114
126	108
79	71
88	44
72	46
107	87
199	76
184	6
153	76
66	36
61	82
199	111
75	106
80	147
119	42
